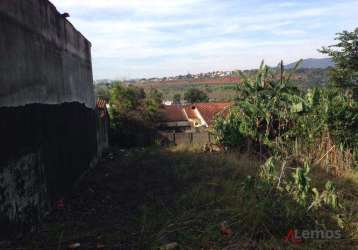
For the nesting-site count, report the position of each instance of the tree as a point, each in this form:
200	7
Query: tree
177	99
152	103
156	96
195	95
125	99
345	56
132	101
133	115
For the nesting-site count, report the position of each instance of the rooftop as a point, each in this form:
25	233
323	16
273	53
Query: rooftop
206	111
172	113
209	110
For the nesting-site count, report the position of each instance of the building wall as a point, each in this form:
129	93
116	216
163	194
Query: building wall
199	138
45	59
176	124
48	122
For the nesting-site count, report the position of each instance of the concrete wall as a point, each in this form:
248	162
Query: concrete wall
48	121
45	58
199	138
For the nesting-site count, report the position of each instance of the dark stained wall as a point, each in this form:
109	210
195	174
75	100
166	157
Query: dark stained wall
48	121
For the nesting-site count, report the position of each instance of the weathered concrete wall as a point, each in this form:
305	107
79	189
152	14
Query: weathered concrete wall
48	121
45	59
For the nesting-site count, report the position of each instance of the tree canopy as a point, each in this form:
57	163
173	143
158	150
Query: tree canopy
195	95
177	98
133	114
345	56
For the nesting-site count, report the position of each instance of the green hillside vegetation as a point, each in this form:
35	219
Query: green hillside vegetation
313	63
215	92
304	78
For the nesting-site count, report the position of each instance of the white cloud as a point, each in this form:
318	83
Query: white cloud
139	6
163	37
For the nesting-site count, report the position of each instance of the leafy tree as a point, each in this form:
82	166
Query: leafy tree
195	95
177	98
342	119
133	114
125	99
345	56
153	102
156	96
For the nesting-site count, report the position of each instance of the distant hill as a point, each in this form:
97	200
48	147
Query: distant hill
313	63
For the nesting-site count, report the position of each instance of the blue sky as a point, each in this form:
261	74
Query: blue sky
146	38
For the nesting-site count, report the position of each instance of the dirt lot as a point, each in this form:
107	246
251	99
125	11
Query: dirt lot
175	198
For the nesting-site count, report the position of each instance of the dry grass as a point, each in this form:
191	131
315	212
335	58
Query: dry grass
147	198
333	158
324	153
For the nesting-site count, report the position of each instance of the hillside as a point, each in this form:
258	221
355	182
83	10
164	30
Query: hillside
218	89
313	63
221	85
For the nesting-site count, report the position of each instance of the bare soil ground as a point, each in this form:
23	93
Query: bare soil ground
137	199
106	208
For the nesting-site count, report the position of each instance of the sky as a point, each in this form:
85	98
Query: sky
154	38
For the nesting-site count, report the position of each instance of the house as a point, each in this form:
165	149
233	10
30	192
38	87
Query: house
173	118
193	116
190	116
206	113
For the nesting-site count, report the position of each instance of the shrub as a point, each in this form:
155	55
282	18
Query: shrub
269	111
195	95
265	109
133	115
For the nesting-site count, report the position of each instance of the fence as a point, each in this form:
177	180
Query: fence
186	138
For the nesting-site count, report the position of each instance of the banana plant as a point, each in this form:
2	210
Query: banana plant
266	105
301	184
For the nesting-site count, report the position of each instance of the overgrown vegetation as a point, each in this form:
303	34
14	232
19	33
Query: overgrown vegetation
155	198
297	130
177	99
133	115
272	112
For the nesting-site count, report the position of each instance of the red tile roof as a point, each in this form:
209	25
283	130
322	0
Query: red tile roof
172	113
101	104
209	110
190	111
